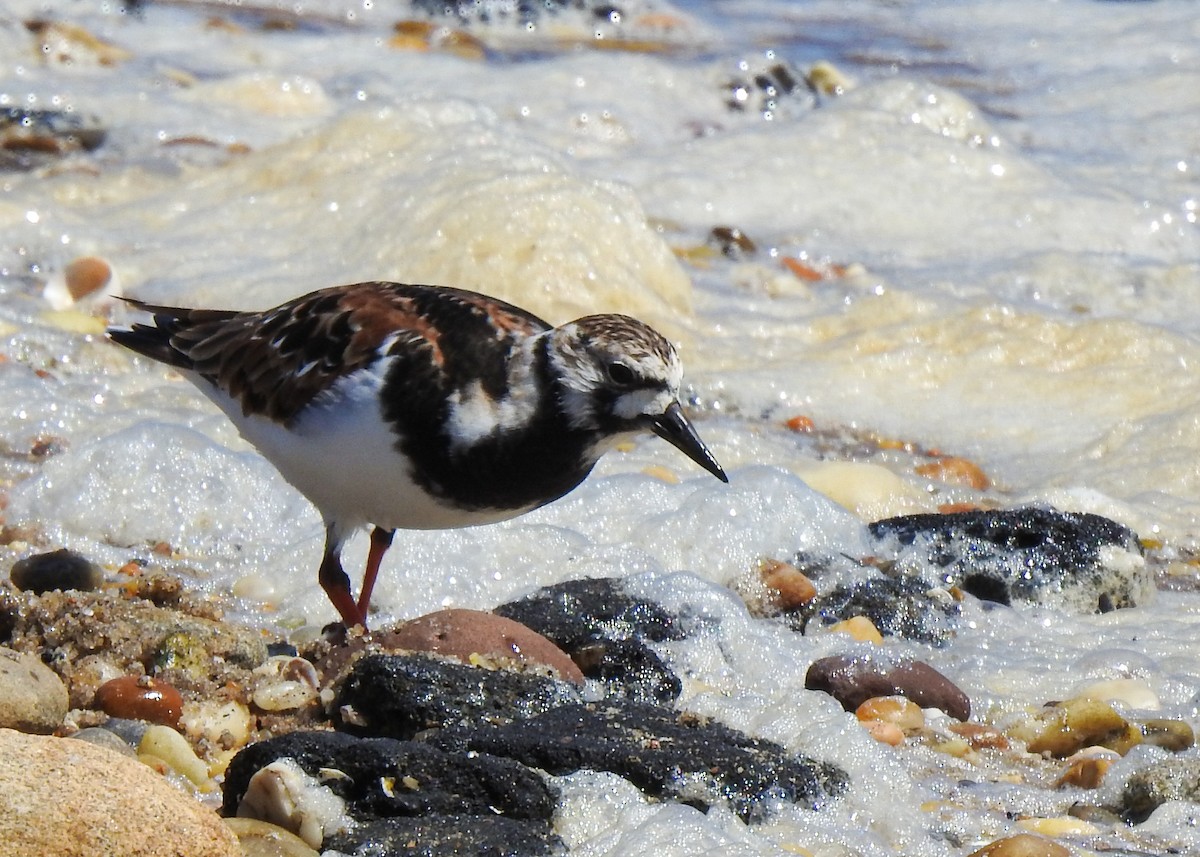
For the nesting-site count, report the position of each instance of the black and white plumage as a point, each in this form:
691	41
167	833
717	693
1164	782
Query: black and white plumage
422	407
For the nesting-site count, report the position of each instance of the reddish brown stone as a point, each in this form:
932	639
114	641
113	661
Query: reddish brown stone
140	698
854	680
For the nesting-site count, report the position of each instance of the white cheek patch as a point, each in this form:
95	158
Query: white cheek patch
642	403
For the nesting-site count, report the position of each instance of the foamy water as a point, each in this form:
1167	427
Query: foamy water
1002	205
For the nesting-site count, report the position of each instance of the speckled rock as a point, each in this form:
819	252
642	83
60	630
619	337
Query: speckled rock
665	753
447	836
1150	787
379	781
57	570
32	696
898	607
1078	562
397	696
71	799
470	634
853	680
605	630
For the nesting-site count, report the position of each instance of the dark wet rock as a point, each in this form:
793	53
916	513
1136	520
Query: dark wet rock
605	630
398	696
1080	562
897	606
853	680
385	778
30	138
1177	778
58	570
665	753
446	836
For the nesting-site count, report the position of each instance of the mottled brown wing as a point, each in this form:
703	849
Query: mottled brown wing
276	361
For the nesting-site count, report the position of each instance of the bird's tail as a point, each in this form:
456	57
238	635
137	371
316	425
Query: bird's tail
156	340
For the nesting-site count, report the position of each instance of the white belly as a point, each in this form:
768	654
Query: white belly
341	455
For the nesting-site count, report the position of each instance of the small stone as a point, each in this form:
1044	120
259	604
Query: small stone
105	738
1085	773
1173	735
853	680
1130	692
182	652
1059	826
980	736
32	696
57	570
905	714
1022	845
469	635
262	839
884	733
163	742
791	587
1068	727
72	799
285	684
860	628
140	698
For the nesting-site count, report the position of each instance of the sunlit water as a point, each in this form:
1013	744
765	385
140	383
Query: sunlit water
986	244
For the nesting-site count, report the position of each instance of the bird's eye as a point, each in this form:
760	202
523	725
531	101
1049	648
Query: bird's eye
620	374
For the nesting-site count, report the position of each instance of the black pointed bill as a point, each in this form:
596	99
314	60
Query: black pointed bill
673	427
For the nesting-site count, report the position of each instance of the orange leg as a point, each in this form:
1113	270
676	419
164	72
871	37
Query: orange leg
336	583
381	540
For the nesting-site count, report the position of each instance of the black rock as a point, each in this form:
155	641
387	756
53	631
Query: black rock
385	778
667	754
446	836
605	629
398	696
897	606
58	570
1081	562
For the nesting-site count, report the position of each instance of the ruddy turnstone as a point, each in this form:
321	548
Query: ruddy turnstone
422	407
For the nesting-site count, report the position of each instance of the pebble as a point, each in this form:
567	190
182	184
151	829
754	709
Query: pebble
262	839
72	799
1130	692
860	628
1022	845
57	570
1169	779
903	713
105	738
32	696
469	634
163	742
1085	773
140	698
852	680
1066	728
790	587
285	684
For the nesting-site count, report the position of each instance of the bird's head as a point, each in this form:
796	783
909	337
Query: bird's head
618	376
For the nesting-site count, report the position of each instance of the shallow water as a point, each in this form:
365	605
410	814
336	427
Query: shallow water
985	245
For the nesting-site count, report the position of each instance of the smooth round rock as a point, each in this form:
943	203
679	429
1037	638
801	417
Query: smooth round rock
32	696
263	839
1022	845
105	738
72	799
853	680
57	570
140	698
468	634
